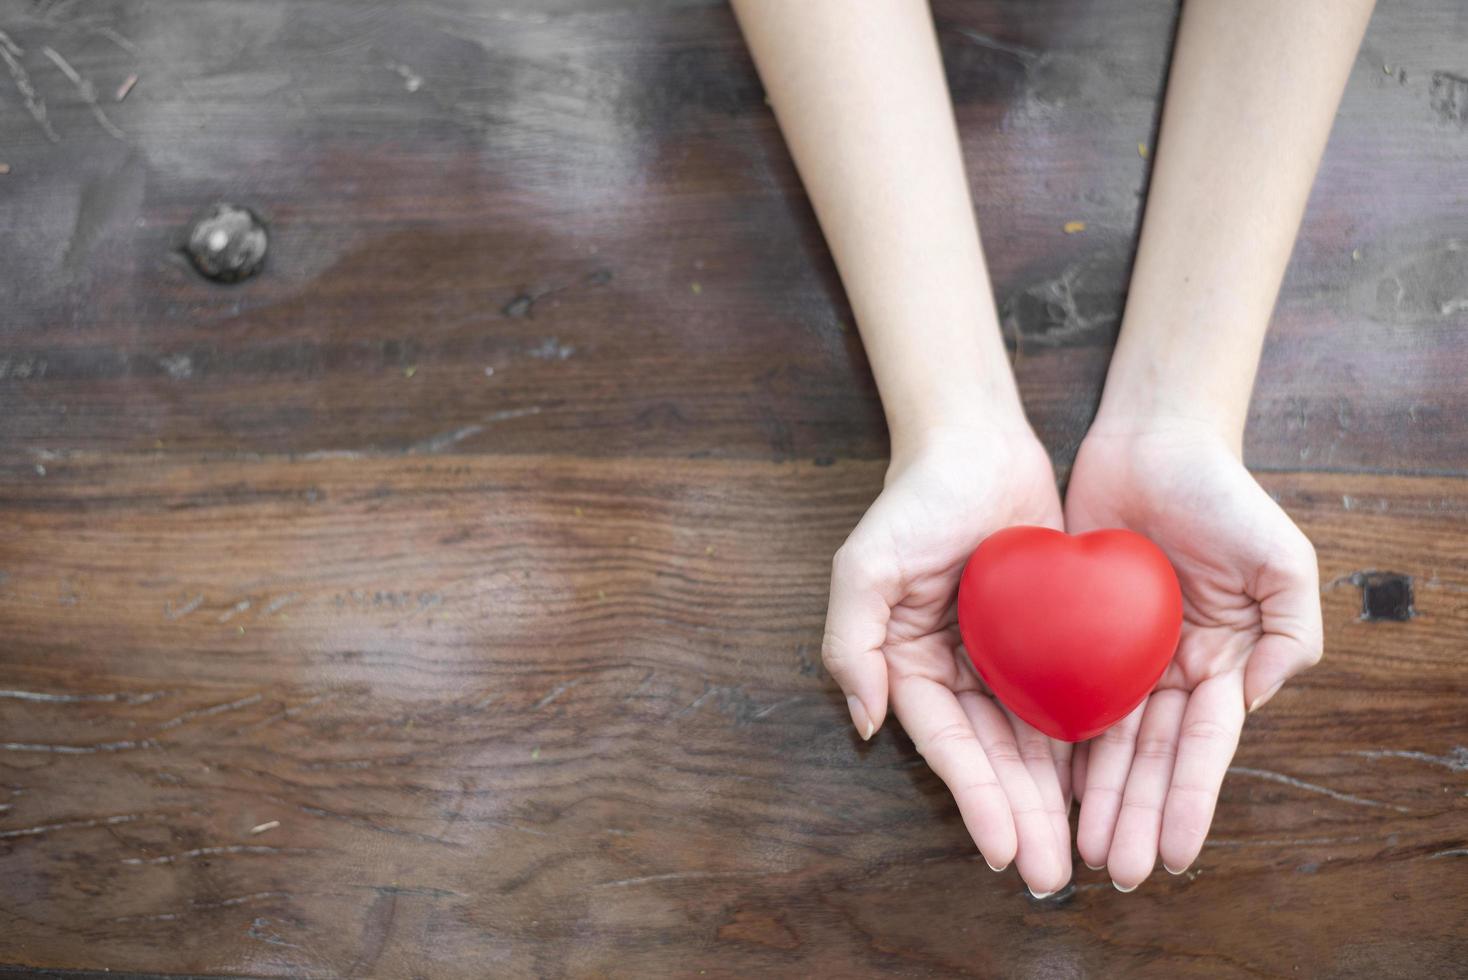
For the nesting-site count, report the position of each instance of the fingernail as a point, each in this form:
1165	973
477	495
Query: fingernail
1094	867
1262	699
994	869
1039	895
860	718
1169	870
1125	890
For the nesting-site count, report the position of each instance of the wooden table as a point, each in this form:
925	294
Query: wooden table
445	600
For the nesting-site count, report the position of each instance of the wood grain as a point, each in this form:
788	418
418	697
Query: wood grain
445	601
591	199
543	717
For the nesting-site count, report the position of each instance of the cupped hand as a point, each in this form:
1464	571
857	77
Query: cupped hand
1251	620
892	634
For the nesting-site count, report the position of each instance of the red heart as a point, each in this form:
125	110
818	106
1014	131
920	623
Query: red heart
1070	632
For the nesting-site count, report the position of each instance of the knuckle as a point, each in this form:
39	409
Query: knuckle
830	646
1159	749
833	664
1189	806
1036	754
1004	753
1147	808
1190	797
1207	731
949	736
1025	807
837	654
1301	652
974	787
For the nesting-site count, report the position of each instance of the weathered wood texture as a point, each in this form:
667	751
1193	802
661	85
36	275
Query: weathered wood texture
613	166
508	680
522	715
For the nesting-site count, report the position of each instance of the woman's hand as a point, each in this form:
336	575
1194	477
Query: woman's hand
860	95
1251	620
892	634
1236	154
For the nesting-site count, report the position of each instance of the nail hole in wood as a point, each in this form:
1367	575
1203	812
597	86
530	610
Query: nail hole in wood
1385	596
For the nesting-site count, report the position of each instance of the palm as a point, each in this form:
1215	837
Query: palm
929	518
892	632
1243	568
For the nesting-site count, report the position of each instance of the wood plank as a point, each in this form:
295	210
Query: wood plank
591	200
532	716
551	704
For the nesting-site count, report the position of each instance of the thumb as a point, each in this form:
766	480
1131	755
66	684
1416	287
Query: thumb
856	629
1293	637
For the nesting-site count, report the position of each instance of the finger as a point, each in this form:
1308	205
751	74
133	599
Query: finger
1108	764
1210	734
1038	858
1275	659
1289	605
943	735
856	629
1036	749
1061	753
1079	760
1139	824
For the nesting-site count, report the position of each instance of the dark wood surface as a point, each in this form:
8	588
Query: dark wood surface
519	669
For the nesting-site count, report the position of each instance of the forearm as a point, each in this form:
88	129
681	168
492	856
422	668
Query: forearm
1251	97
860	96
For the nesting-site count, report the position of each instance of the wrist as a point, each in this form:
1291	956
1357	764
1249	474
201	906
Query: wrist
1139	432
967	440
1149	418
978	415
1174	398
1181	374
